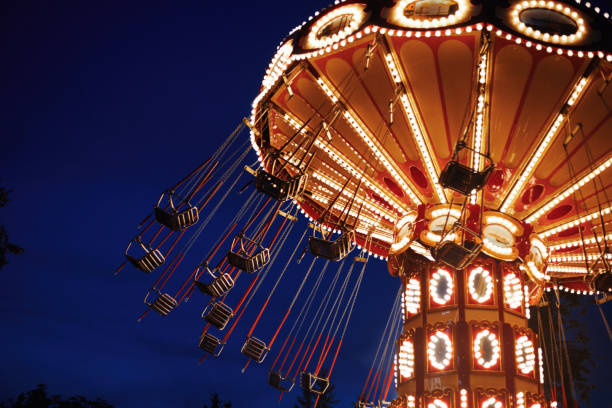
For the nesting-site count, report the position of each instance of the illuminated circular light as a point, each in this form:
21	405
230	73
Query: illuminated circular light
441	287
480	284
536	260
513	292
525	355
404	233
440	350
437	404
406	359
418	14
491	403
335	26
412	296
526	16
486	349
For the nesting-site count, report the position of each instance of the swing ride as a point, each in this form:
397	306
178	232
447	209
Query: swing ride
466	143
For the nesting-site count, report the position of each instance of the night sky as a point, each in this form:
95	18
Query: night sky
105	104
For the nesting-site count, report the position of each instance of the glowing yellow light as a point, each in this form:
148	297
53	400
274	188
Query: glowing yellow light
483	290
569	191
441	277
355	17
513	294
440	343
490	338
525	355
406	359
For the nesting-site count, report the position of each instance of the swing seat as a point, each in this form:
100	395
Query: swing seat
177	220
163	304
249	263
151	260
455	255
276	380
255	349
463	179
333	250
314	384
278	189
218	314
211	345
220	285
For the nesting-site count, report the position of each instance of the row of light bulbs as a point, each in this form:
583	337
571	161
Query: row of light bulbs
574	223
416	130
579	242
569	191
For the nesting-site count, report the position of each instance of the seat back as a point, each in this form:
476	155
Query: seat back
151	260
163	304
314	384
455	255
219	286
177	220
210	344
249	263
280	190
462	178
218	314
332	250
278	381
254	349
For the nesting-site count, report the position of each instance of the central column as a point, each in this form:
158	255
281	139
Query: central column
465	340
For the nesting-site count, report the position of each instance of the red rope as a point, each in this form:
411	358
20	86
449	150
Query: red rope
175	242
374	380
187	177
365	386
164	239
161	228
210	196
300	364
312	352
172	271
286	355
205	180
120	267
168	267
384	396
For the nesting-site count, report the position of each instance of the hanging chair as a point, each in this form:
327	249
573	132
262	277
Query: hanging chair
241	258
147	262
219	286
211	345
171	217
454	254
218	314
163	303
280	382
334	250
460	177
601	285
277	188
255	349
314	384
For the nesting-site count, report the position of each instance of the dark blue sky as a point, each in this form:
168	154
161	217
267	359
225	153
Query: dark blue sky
104	104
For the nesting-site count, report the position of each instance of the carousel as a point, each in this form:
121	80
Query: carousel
464	143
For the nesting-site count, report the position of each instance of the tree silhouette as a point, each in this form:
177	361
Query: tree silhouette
5	246
215	402
308	398
38	398
573	312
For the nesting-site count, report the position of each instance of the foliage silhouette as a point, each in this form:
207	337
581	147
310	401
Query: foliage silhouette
38	398
215	402
6	247
308	398
579	350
